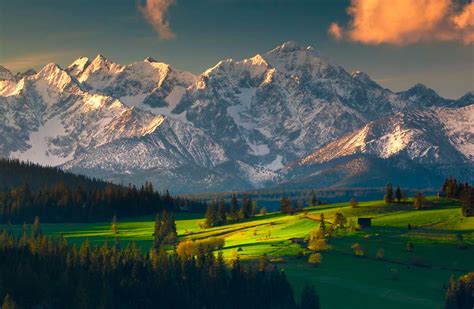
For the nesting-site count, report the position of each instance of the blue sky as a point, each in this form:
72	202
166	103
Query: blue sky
33	33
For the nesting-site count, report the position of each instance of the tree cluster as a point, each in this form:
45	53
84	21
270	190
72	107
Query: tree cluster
460	294
217	213
453	188
462	191
38	272
165	230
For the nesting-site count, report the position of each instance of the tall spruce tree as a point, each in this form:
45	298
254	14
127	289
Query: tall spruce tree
398	194
157	237
234	208
286	206
388	197
246	207
221	212
211	216
467	202
314	199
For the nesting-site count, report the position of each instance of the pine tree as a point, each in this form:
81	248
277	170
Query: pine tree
314	200
167	229
286	206
157	239
247	207
234	208
467	202
398	194
211	216
322	223
388	197
254	208
221	213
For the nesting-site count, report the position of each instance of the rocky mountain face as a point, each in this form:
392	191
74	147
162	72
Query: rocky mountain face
277	118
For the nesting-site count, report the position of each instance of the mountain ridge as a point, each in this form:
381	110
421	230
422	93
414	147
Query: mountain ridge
249	119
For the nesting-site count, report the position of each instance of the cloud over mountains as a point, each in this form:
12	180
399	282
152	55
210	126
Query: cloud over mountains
404	22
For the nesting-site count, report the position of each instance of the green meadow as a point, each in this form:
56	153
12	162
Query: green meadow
443	245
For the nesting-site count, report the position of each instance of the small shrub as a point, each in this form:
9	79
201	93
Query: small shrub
315	259
316	244
352	225
358	250
340	220
189	248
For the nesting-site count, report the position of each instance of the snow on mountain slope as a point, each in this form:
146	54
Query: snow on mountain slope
286	102
148	84
239	124
459	127
7	82
419	136
265	106
52	119
169	146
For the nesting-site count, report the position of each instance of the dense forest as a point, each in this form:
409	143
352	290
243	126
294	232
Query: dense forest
36	271
14	173
65	197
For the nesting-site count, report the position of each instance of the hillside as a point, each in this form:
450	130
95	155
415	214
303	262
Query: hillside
28	190
389	282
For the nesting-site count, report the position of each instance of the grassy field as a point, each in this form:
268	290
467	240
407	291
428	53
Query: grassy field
402	279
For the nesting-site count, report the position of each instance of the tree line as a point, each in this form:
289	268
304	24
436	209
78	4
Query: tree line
37	271
62	203
14	173
218	213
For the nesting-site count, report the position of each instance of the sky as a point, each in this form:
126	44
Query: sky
399	43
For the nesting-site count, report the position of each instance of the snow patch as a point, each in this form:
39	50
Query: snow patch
276	165
41	145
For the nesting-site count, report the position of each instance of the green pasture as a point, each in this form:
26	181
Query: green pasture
402	279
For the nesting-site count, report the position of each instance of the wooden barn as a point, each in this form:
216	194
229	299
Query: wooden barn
364	222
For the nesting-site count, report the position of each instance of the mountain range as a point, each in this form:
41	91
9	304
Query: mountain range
289	117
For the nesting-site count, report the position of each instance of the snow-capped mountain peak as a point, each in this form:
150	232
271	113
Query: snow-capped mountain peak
78	66
238	125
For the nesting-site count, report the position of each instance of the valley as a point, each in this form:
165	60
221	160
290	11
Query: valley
412	279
